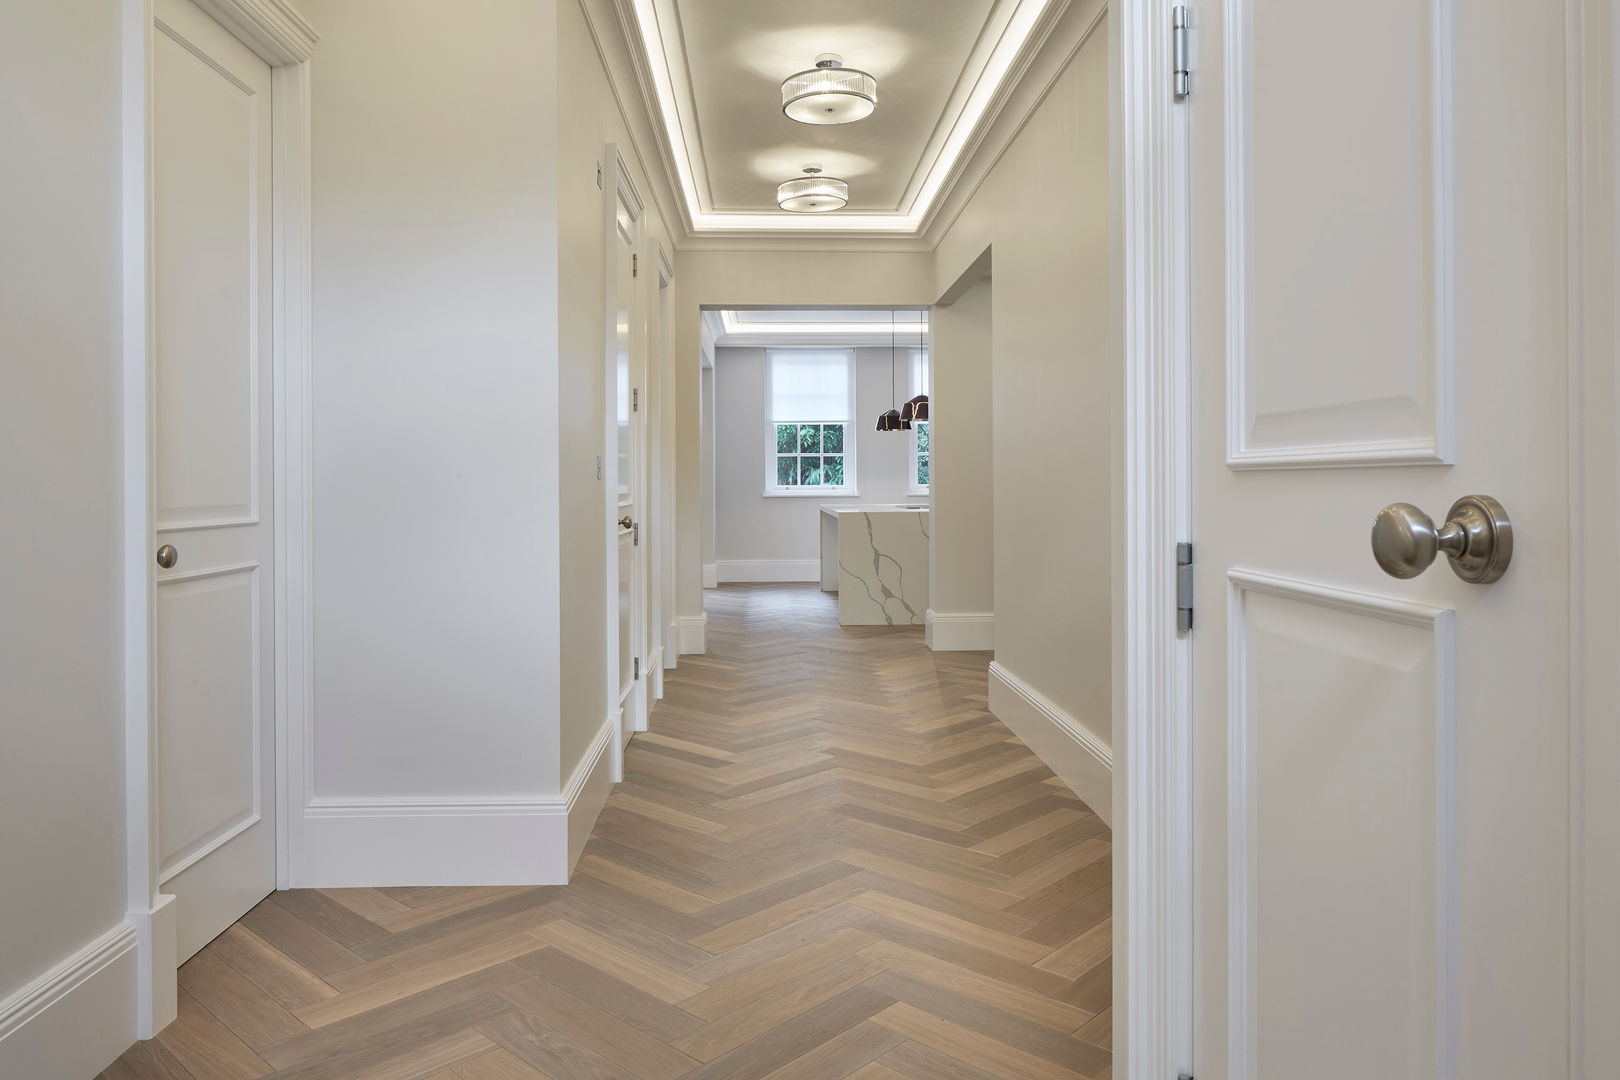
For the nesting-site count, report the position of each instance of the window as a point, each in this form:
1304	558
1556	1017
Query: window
921	452
809	449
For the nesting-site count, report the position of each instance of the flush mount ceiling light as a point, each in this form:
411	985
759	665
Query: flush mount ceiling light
829	93
812	193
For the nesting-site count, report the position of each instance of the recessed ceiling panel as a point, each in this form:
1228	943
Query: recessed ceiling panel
739	51
717	66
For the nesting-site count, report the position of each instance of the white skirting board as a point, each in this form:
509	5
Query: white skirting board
769	570
1080	759
959	631
456	840
693	628
711	575
672	644
74	1020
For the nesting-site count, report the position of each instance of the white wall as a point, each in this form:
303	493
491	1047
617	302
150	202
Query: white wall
435	390
752	527
61	652
962	588
1052	374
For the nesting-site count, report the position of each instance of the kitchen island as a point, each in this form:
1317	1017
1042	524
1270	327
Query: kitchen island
876	559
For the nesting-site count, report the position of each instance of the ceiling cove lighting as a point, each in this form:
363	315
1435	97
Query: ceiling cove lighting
812	193
829	93
1013	31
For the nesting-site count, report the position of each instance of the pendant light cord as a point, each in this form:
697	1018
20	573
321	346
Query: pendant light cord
892	398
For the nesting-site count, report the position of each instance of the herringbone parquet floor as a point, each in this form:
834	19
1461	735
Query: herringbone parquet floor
827	860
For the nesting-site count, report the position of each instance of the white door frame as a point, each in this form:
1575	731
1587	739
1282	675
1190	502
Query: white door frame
279	35
1153	720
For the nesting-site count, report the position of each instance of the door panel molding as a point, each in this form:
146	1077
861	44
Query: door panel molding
1371	416
1404	676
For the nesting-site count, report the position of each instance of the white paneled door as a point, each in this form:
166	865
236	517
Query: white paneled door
213	473
1379	316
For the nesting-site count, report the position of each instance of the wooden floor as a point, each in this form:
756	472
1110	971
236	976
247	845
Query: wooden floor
827	860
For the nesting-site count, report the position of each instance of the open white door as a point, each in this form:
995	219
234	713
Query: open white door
214	545
1379	315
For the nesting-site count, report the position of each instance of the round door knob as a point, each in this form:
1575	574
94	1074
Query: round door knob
625	522
1477	539
167	556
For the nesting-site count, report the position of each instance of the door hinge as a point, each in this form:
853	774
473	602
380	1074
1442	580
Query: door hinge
635	265
635	534
599	466
638	667
1184	587
1179	52
635	399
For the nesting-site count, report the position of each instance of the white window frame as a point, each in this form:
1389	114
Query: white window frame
848	488
920	366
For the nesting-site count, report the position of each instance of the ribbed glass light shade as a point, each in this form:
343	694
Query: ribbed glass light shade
812	194
829	95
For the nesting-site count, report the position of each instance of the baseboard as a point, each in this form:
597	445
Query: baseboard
672	644
769	570
655	673
74	1020
693	629
711	575
434	840
587	789
959	631
1080	759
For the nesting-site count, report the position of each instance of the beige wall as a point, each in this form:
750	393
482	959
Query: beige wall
1052	388
963	449
61	648
435	399
777	278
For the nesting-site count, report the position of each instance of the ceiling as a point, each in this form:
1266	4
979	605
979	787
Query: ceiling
717	67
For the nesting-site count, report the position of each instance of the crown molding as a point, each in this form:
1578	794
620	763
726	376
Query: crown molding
272	28
623	63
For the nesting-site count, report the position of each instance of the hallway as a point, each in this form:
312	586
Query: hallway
827	860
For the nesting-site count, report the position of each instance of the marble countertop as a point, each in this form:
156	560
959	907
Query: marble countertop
875	508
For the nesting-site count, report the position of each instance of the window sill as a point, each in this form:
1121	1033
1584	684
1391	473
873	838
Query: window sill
812	493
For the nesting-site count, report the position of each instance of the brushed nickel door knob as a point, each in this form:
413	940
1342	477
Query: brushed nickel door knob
1477	539
167	556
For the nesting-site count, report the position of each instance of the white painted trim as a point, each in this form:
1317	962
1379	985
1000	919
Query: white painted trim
1243	928
691	630
1153	970
768	570
75	1019
711	575
672	645
1069	748
960	631
275	31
